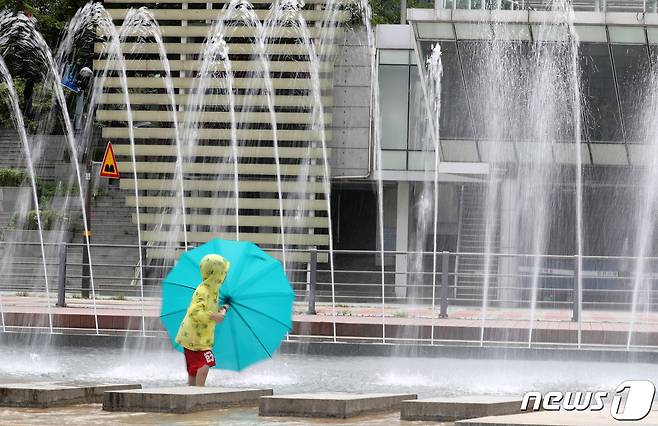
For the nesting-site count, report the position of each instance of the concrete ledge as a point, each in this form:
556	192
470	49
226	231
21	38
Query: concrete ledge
552	353
186	399
49	394
330	404
459	408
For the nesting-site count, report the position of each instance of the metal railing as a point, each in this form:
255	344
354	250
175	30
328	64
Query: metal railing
608	281
519	287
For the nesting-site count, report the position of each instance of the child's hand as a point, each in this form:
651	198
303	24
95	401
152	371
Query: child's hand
218	317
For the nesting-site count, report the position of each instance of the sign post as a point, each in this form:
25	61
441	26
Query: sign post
109	169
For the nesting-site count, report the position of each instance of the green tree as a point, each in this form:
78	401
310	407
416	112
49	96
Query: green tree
49	18
385	11
51	15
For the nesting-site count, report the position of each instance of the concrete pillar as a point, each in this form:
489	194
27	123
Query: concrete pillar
401	238
509	227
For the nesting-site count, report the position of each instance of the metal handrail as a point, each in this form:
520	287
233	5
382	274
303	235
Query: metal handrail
343	251
556	285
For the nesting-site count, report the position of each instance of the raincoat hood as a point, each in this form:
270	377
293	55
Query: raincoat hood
213	270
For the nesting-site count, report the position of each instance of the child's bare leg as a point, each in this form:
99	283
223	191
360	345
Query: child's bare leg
201	375
191	380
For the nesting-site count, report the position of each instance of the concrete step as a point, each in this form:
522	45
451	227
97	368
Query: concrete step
49	394
181	399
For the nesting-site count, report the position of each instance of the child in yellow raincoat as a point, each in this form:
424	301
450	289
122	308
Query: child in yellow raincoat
197	331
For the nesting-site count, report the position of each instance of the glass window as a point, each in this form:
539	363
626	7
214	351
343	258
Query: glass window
393	102
601	110
494	83
627	35
419	135
632	70
393	57
591	33
455	118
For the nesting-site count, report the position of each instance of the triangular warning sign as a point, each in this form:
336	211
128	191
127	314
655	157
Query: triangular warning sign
109	168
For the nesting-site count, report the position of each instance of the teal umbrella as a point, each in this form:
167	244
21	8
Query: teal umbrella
256	290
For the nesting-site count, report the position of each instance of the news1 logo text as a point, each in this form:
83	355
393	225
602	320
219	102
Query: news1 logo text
631	400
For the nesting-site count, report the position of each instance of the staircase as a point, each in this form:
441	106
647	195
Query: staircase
49	164
111	224
11	149
472	233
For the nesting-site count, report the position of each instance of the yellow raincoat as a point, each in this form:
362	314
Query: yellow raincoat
197	331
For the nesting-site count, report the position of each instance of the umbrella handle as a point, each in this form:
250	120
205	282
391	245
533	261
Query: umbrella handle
226	300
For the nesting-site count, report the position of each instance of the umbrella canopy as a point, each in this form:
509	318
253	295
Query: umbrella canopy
256	290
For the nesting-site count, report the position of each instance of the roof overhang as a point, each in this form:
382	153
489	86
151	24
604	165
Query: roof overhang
469	24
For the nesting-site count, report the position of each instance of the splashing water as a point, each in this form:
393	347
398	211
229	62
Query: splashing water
17	118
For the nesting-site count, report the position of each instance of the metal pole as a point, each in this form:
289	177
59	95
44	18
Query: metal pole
312	281
443	294
144	267
61	280
85	255
576	291
403	12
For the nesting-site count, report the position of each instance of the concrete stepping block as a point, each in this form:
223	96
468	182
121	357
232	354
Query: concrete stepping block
184	399
458	408
330	404
49	394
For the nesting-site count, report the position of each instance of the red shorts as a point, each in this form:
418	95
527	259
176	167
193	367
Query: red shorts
197	359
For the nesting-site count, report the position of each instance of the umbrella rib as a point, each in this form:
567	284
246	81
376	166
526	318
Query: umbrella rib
253	332
174	312
179	285
261	313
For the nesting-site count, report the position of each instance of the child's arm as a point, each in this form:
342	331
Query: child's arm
199	311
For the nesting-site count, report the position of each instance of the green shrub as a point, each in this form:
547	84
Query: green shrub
12	177
48	190
50	220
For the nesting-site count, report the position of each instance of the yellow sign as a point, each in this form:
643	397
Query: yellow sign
109	168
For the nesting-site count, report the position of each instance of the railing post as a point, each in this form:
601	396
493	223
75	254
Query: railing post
443	294
143	270
312	280
61	276
576	272
85	273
